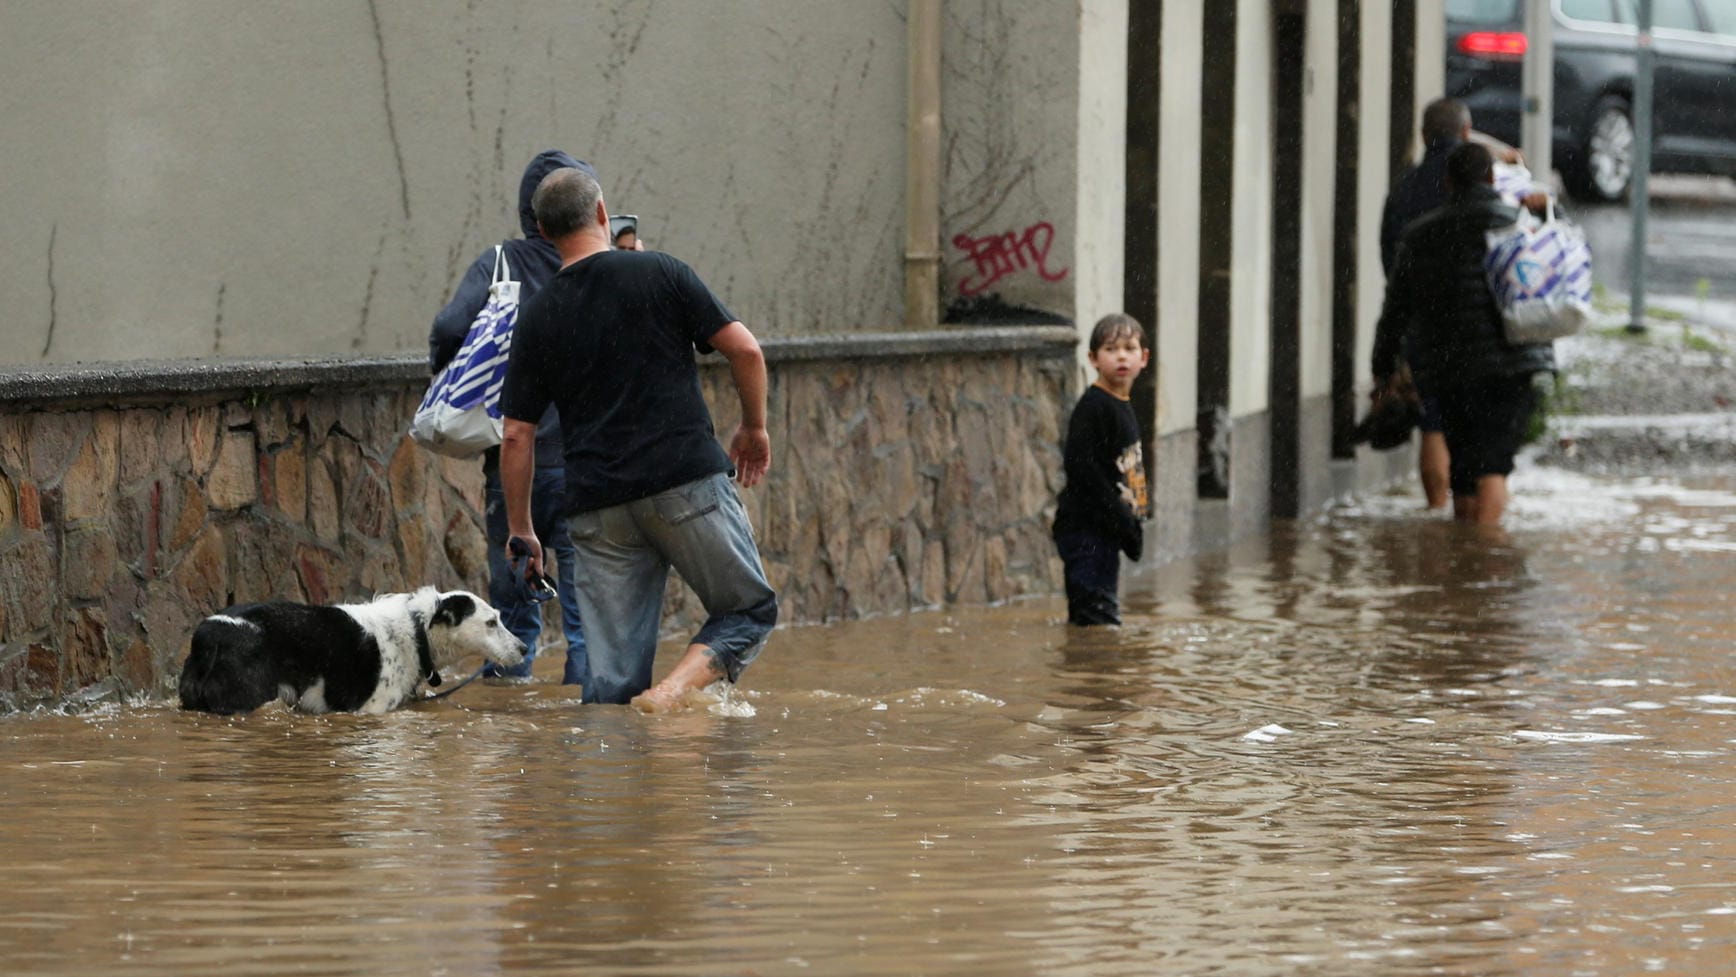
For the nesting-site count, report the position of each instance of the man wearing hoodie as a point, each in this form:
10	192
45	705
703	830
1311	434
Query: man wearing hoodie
532	261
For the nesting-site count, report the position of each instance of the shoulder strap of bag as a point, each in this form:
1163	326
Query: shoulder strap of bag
502	270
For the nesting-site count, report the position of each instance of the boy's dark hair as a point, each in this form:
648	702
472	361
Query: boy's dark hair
1116	325
1470	165
565	201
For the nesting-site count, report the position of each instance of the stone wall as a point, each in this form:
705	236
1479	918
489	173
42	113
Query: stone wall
909	470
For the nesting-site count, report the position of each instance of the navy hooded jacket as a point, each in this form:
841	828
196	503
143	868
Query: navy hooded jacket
1421	189
532	261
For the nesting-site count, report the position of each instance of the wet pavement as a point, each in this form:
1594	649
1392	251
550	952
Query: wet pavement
1370	744
1690	242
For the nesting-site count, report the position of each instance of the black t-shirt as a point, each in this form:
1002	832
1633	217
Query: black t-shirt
610	340
1105	492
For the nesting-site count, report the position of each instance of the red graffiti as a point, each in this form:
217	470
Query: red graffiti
1000	255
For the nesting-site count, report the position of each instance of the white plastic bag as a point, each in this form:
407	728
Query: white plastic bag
1540	275
1514	182
460	415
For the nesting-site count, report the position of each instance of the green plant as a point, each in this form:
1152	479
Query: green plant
1699	343
1554	396
1621	333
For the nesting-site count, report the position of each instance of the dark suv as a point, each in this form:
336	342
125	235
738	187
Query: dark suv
1694	104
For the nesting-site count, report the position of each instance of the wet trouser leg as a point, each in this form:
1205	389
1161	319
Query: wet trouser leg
703	530
1091	567
624	556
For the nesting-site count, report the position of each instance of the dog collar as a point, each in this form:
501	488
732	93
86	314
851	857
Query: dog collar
425	650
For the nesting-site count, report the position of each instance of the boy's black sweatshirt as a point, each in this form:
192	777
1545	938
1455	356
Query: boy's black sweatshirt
1105	492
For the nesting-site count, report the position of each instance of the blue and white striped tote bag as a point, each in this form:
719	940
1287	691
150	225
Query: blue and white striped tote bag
1540	276
460	415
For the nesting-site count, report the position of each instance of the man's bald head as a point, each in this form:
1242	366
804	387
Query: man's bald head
565	202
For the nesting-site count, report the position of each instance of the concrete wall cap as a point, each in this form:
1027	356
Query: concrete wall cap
142	382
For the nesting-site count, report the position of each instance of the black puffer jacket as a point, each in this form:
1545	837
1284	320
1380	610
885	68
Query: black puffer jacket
1438	308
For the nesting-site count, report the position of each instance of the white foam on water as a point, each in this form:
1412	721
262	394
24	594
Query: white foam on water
1266	734
1645	705
734	708
1679	545
720	698
1717	700
1546	736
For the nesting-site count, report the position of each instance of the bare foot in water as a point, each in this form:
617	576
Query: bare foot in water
696	670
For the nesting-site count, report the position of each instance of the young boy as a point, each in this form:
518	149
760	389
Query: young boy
1099	511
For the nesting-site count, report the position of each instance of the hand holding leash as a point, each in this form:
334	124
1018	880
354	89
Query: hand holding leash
524	553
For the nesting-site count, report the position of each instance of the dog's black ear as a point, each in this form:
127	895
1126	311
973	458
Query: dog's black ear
454	608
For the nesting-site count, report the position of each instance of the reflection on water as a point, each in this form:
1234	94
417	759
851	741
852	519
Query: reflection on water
1373	744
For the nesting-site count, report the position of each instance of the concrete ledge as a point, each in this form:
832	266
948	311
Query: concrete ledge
1042	340
144	382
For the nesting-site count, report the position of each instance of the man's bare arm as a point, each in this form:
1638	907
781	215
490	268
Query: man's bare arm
751	447
517	468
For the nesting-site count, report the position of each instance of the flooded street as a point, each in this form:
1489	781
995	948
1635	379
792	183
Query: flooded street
1371	744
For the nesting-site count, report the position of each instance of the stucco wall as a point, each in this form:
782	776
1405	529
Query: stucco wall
1011	172
192	177
1374	166
1431	62
1100	245
1319	163
1178	210
1251	213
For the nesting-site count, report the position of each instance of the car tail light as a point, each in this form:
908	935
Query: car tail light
1498	44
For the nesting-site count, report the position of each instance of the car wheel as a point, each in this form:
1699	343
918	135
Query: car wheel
1605	164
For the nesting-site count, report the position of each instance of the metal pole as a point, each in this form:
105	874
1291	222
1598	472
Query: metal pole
1639	187
1537	77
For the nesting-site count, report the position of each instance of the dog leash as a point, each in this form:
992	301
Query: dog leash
431	696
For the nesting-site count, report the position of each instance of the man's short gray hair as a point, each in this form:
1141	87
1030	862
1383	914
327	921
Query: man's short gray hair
565	201
1444	120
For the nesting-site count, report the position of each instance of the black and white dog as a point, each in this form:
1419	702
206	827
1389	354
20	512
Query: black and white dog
348	658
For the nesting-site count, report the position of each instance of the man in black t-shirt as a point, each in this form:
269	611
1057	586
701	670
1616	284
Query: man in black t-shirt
610	341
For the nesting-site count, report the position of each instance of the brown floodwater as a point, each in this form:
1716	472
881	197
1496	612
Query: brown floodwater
1371	744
